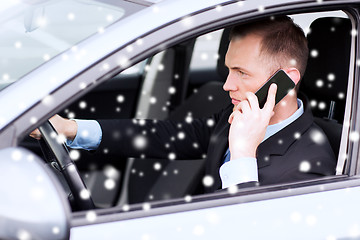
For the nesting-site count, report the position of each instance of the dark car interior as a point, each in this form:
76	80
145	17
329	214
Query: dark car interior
198	93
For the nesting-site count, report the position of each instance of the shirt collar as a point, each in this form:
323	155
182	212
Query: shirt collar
272	129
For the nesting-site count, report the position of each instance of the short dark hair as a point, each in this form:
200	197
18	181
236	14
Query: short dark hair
283	41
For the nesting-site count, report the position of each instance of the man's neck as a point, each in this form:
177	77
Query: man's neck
284	109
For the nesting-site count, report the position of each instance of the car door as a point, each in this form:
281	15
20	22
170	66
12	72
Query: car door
301	210
298	211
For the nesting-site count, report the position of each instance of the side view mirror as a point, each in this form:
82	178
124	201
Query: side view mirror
33	204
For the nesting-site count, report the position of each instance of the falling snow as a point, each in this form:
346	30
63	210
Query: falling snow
208	181
305	166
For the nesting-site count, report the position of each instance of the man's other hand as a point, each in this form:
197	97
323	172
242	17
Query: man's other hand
63	126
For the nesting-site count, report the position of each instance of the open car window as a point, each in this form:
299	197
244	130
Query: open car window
178	83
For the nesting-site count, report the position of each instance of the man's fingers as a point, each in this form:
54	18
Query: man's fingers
270	101
35	134
253	101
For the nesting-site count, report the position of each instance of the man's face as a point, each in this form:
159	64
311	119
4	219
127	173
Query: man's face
247	70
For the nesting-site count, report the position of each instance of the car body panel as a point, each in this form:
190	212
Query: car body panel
309	216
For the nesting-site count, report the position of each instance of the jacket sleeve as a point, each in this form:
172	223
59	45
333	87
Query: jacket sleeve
157	139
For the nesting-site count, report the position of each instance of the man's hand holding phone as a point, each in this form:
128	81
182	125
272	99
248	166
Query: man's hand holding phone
249	123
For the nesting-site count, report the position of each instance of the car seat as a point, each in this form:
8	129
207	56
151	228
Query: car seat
326	77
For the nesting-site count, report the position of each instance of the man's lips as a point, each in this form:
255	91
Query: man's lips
235	101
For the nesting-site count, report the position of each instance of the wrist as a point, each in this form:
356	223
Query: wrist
71	129
236	154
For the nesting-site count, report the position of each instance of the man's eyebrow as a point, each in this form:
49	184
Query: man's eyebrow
237	68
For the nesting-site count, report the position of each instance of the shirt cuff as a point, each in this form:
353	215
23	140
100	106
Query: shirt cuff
88	136
238	171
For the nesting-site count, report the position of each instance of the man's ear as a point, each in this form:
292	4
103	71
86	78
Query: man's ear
294	74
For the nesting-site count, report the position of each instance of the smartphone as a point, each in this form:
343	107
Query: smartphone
284	86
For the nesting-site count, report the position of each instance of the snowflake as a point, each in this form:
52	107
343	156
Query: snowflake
23	235
187	21
322	105
157	166
33	120
48	100
161	67
341	95
18	44
172	90
172	156
91	216
208	181
71	16
140	41
188	119
204	56
210	122
109	18
354	136
84	194
304	166
105	66
61	138
71	115
140	142
353	32
153	100
109	184
261	8
125	207
181	135
111	172
292	62
331	77
82	85
188	198
46	57
314	53
74	155
55	230
5	77
146	206
297	135
319	83
84	133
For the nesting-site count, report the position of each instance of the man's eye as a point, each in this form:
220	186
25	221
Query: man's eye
242	73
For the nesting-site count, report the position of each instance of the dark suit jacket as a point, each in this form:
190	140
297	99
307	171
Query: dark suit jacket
300	151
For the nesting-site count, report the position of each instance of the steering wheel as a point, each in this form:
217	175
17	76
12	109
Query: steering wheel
57	154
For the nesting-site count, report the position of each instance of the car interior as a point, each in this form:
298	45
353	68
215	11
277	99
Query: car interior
165	87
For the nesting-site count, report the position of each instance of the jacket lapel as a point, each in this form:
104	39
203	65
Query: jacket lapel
280	142
217	148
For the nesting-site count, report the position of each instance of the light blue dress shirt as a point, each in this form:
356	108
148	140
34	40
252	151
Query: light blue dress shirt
232	172
245	169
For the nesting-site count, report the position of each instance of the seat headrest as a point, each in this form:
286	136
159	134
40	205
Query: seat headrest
326	76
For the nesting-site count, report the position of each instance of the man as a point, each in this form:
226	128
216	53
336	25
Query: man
275	144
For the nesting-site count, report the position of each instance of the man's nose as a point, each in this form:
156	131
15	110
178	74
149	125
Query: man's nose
230	83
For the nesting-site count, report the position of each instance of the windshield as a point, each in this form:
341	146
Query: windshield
34	31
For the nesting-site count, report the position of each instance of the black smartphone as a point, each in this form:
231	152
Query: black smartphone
284	86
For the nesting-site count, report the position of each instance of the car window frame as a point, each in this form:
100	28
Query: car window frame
87	77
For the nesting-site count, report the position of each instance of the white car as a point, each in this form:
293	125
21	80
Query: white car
149	59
